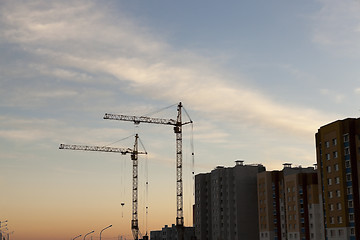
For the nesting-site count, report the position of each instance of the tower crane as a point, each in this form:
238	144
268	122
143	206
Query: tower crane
178	131
134	157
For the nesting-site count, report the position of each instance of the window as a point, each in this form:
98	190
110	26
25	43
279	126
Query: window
337	180
348	177
347	151
334	141
351	217
327	156
339	219
336	167
331	207
331	221
338	193
346	137
330	194
327	145
349	190
347	164
328	169
338	206
352	231
329	181
350	204
335	154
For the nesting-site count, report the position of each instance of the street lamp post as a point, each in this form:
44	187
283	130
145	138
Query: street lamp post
104	229
88	234
76	237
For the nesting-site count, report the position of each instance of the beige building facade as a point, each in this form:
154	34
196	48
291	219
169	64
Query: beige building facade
338	156
289	206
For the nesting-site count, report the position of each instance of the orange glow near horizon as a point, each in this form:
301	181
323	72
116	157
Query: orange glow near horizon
63	217
66	224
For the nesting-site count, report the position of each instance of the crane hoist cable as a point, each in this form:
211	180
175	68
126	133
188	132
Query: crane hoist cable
160	110
109	144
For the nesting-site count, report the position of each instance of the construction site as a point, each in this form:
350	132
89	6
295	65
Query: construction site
178	230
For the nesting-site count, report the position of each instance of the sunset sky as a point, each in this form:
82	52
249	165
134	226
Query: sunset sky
258	78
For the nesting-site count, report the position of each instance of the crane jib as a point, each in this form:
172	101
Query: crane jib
142	119
98	149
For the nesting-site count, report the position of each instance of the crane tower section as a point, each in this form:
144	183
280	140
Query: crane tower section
178	131
134	157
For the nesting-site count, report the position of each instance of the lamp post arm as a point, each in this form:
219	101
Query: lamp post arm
104	229
88	234
77	237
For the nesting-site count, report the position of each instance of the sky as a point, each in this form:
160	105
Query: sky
257	78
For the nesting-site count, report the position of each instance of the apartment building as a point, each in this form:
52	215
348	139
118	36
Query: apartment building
338	149
289	206
226	203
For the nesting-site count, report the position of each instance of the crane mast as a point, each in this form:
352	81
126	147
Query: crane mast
134	221
134	157
178	131
179	183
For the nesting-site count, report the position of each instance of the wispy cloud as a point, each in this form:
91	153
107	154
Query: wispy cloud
81	40
337	26
208	132
54	132
357	91
333	95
